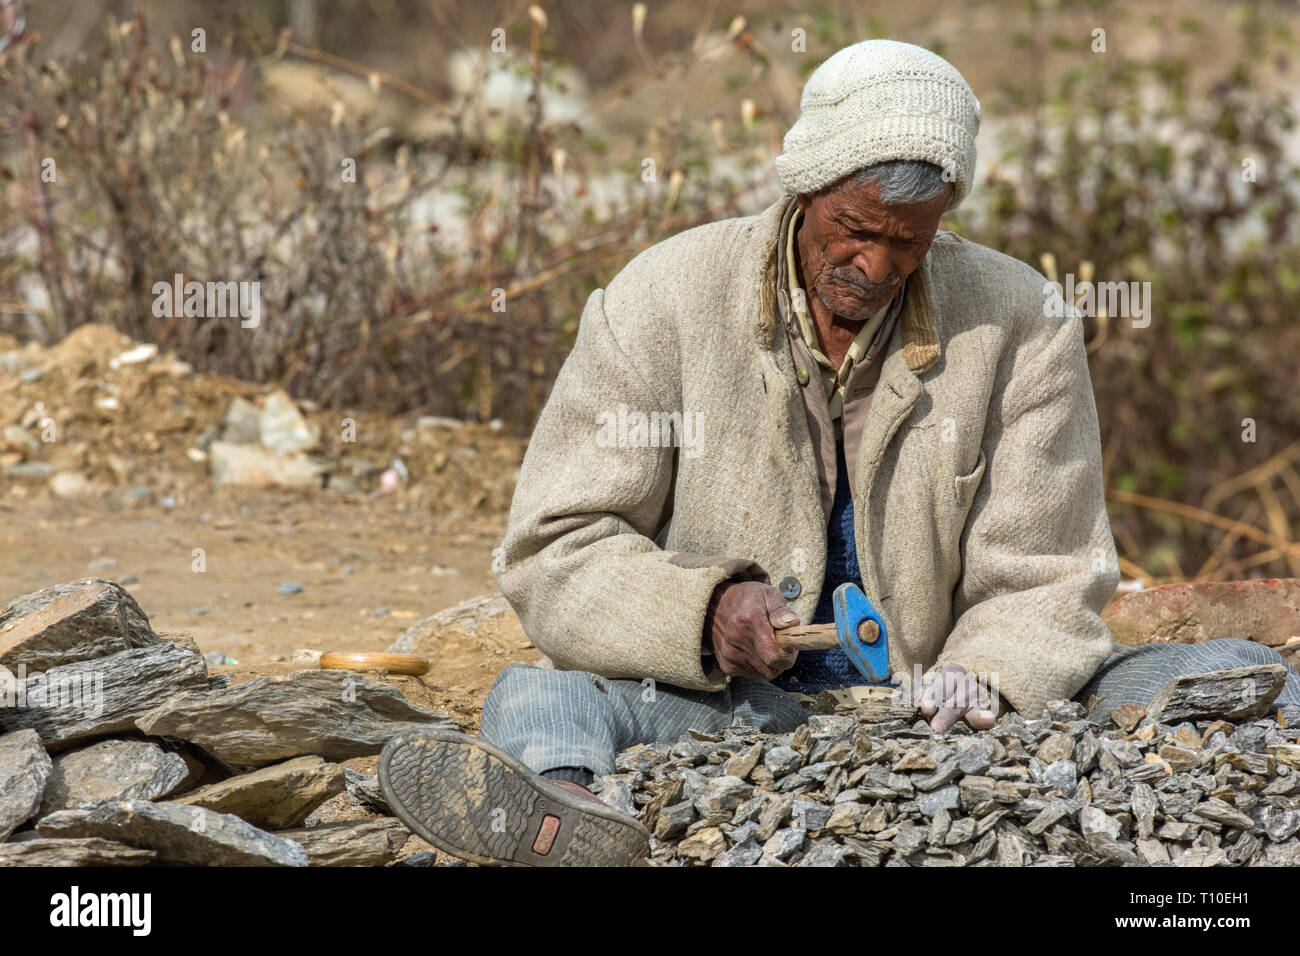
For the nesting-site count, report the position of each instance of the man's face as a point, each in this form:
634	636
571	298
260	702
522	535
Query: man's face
855	252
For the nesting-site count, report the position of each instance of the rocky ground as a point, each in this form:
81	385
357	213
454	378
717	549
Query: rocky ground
175	764
874	786
119	746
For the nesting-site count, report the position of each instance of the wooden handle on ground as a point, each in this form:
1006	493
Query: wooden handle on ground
393	663
815	637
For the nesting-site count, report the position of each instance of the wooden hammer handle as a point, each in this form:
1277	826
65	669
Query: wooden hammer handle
815	637
393	663
807	637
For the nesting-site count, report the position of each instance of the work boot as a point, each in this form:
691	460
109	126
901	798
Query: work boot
478	803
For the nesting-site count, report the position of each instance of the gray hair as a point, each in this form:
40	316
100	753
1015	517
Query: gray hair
903	181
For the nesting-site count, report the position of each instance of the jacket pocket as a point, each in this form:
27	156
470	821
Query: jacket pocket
964	486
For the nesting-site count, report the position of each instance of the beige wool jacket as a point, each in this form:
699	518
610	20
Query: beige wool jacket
980	520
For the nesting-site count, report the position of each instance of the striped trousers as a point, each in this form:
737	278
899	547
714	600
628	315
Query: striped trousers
553	718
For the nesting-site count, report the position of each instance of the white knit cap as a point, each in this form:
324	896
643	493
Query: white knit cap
876	101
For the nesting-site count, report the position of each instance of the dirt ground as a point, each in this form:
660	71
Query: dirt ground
367	574
210	561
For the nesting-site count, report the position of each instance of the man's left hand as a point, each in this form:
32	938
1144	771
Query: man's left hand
951	694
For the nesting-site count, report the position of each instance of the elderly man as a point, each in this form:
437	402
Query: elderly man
863	399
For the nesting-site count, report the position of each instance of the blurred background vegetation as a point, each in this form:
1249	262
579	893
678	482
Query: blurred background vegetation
510	158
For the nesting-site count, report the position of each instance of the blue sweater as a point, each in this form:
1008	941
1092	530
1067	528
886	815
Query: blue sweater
816	671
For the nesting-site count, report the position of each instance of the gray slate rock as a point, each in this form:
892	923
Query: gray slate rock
746	853
80	702
618	796
945	798
70	623
83	851
333	714
1061	775
113	770
351	842
178	834
24	769
1237	694
721	795
824	854
782	760
784	842
364	790
810	815
275	797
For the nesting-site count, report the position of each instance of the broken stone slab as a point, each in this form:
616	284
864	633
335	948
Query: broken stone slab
178	834
70	623
351	842
1267	611
81	851
880	704
333	714
114	770
275	797
364	790
1288	754
1235	694
98	698
1128	716
33	849
24	770
251	466
704	844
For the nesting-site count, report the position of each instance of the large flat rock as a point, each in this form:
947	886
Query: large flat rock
333	714
24	769
464	618
113	770
82	851
69	623
190	835
80	702
352	842
1240	693
274	797
1267	611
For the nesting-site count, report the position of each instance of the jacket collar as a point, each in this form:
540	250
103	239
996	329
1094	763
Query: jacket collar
915	323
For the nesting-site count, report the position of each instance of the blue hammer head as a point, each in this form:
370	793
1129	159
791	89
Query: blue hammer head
860	630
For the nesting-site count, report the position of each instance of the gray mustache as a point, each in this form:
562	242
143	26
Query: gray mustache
854	278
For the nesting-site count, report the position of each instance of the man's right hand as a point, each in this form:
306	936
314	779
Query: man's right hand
740	626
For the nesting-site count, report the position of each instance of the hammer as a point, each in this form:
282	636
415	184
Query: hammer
859	631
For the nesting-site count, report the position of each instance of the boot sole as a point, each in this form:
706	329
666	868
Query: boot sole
478	803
